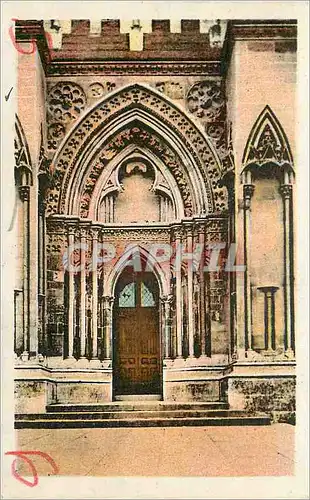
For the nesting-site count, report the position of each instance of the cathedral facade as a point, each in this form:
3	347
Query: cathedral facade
154	165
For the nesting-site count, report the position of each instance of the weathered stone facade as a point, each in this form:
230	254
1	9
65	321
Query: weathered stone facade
152	135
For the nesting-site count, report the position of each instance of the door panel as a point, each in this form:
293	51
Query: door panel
136	341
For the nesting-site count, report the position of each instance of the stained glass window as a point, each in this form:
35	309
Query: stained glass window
127	297
147	297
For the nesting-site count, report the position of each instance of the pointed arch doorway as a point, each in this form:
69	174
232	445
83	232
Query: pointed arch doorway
136	338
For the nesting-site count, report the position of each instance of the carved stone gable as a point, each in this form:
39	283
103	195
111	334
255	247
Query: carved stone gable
145	101
267	143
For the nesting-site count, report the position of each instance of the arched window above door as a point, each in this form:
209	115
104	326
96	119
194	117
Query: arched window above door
127	297
147	297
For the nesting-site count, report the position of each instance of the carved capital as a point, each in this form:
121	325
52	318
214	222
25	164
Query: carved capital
248	191
83	232
72	229
188	230
94	232
167	303
286	191
167	299
108	301
177	232
268	290
201	228
24	192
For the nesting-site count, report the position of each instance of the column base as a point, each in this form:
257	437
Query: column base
25	356
107	363
95	363
82	363
289	353
250	354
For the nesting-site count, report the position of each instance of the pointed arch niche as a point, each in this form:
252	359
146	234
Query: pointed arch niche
137	117
267	179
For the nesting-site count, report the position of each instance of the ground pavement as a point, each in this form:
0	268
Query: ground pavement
164	451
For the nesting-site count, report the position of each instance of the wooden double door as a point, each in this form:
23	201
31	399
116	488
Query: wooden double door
136	353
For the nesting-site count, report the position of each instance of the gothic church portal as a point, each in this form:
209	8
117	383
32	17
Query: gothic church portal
134	137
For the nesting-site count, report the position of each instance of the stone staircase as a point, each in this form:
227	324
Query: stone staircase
138	414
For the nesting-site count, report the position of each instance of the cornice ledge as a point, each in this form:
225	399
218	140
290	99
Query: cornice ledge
134	68
264	29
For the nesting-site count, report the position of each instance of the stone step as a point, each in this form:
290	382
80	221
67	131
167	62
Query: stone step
138	397
121	406
91	420
130	414
150	418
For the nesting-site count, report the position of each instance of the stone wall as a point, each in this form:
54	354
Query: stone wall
275	396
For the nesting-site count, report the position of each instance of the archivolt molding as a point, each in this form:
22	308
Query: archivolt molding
267	145
87	136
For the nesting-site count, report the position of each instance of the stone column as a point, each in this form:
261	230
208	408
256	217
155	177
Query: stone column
248	190
24	192
95	294
107	325
71	232
202	298
106	209
111	208
189	240
83	294
286	192
269	316
178	297
41	276
167	301
232	275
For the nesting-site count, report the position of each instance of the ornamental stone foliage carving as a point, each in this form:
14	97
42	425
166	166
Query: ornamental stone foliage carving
142	235
268	148
66	101
97	89
138	136
55	133
175	90
217	229
144	100
102	68
206	100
